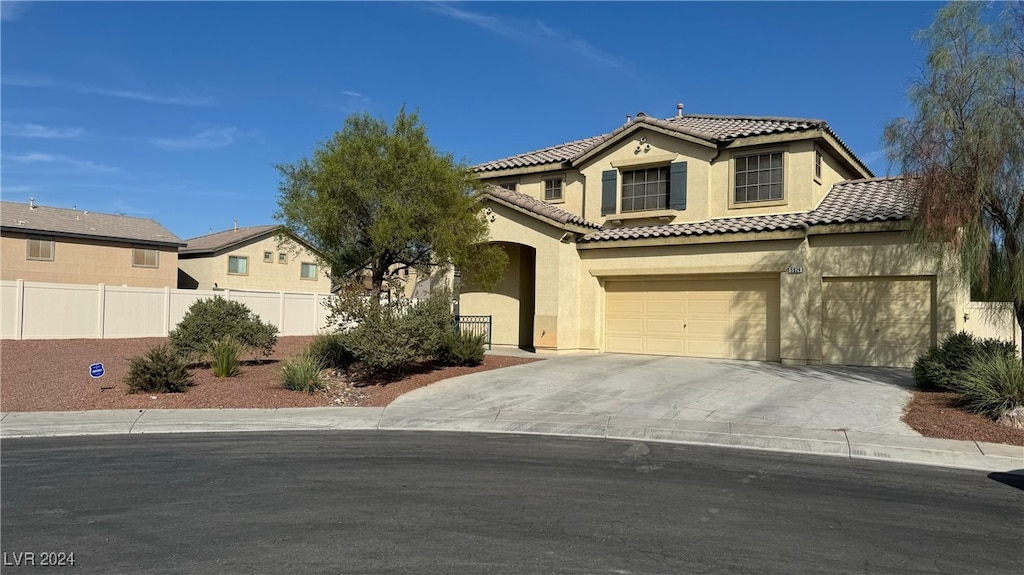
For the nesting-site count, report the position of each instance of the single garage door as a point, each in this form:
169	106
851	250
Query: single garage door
877	321
734	318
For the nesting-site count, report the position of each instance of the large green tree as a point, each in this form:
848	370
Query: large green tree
962	154
377	198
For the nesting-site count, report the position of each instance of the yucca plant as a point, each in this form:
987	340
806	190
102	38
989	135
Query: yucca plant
224	357
302	373
993	385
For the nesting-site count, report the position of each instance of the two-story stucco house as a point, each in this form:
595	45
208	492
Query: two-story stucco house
252	258
58	245
757	238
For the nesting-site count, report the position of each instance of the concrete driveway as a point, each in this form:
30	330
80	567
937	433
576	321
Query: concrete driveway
680	388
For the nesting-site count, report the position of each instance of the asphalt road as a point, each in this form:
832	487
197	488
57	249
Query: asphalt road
464	503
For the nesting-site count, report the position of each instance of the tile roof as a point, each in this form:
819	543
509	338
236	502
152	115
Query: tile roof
553	154
715	129
853	201
83	223
538	207
868	200
217	241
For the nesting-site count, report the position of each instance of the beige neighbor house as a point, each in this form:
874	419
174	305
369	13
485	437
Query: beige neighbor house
756	238
57	245
252	258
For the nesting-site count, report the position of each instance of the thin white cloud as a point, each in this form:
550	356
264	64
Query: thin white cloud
355	95
532	33
180	98
11	11
39	131
205	140
41	158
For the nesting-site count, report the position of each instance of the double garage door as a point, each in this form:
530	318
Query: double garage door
725	317
864	321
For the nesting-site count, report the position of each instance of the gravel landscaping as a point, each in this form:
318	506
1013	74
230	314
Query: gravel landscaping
53	375
935	414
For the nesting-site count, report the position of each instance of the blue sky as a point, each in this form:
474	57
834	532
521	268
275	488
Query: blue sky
179	111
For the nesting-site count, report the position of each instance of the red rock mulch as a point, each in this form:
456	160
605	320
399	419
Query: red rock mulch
53	375
935	414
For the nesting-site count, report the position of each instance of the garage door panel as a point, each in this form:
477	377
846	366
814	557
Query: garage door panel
715	318
673	307
664	346
698	347
876	321
632	325
625	344
664	327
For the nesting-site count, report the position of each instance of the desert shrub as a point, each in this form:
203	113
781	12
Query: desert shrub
462	349
224	357
992	385
993	347
387	338
302	373
429	323
333	350
208	321
943	366
161	370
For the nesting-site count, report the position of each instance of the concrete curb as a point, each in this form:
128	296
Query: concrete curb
835	443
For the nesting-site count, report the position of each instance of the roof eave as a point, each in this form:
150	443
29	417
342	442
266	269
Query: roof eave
633	127
533	169
102	238
567	226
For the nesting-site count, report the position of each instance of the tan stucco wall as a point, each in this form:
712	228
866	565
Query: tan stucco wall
556	305
709	178
273	276
77	261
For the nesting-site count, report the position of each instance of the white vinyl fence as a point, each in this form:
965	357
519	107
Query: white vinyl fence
992	319
34	310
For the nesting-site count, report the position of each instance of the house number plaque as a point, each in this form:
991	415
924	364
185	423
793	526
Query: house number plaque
795	270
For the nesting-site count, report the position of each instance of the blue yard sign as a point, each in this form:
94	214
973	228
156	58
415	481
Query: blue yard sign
96	370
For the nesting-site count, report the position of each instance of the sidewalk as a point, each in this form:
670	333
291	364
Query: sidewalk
837	443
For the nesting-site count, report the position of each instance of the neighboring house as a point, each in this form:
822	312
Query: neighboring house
252	258
44	244
755	238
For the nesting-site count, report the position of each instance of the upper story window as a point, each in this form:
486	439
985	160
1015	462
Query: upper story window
817	164
282	258
41	250
645	189
145	257
268	257
758	178
510	186
238	265
553	189
308	271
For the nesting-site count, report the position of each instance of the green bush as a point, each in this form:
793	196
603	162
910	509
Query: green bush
302	373
224	357
992	385
333	350
386	339
161	370
208	321
943	366
462	349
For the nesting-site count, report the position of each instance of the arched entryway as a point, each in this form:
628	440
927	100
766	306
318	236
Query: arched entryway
512	303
